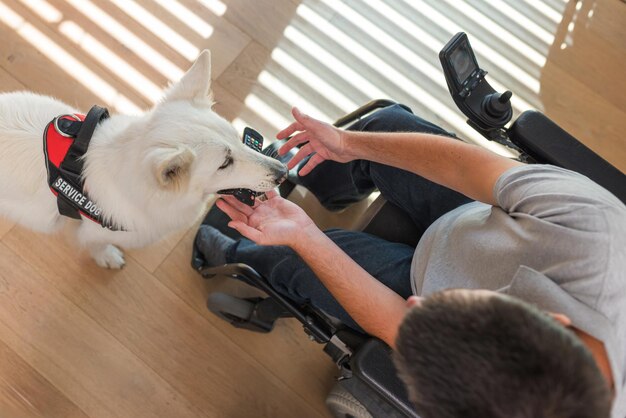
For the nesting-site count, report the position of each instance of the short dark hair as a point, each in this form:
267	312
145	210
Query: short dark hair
467	355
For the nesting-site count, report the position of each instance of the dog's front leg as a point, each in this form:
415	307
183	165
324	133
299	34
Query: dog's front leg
98	242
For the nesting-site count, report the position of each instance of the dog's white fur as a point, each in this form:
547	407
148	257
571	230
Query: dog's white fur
152	174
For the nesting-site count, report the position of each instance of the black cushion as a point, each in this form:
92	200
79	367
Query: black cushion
548	143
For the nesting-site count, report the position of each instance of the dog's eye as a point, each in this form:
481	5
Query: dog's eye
228	161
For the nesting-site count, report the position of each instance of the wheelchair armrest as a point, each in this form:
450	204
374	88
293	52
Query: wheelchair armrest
362	111
373	365
548	143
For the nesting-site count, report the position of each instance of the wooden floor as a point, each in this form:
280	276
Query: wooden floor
76	340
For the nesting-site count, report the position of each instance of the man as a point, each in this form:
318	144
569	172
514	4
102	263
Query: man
519	269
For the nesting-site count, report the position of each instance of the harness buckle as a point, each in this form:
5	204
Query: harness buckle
56	124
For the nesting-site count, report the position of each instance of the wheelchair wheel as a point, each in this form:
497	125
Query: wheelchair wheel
230	308
342	404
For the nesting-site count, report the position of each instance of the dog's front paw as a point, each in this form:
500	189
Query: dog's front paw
109	257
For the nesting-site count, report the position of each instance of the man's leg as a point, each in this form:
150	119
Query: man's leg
339	184
345	183
388	262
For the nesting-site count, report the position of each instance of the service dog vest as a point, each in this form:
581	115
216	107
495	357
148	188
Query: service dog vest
65	141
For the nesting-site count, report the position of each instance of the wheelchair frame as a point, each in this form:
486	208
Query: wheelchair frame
366	368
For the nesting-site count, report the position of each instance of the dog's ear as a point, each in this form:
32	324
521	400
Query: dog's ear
195	84
171	166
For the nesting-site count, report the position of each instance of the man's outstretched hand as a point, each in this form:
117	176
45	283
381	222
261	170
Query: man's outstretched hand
321	139
275	221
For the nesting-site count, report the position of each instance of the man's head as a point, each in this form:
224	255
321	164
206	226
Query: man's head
481	354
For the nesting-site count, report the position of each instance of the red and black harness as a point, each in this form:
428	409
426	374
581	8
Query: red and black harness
65	142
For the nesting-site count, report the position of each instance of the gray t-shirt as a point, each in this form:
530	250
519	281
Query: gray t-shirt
556	240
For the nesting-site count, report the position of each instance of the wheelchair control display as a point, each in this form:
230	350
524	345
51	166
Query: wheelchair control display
254	140
487	110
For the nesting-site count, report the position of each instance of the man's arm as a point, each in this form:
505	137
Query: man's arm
375	307
468	169
465	168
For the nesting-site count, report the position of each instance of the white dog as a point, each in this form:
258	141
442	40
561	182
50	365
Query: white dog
151	174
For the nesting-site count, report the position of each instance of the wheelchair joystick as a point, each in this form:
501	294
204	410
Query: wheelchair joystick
497	105
487	110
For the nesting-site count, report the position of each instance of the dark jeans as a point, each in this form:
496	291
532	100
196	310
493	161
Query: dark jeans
337	184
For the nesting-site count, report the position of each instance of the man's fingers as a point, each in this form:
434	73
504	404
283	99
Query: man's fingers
295	126
313	162
300	155
300	117
271	194
232	213
294	141
245	230
236	204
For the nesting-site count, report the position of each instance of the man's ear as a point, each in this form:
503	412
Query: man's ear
171	166
195	84
561	318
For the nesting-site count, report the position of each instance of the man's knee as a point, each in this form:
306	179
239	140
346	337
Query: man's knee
293	278
397	118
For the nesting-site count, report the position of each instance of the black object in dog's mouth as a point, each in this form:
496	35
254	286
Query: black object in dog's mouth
233	191
239	190
248	196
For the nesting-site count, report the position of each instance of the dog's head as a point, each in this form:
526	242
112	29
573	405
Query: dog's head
194	149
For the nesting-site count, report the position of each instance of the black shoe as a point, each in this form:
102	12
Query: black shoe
211	246
218	220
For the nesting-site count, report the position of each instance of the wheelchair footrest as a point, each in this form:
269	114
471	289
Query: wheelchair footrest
241	313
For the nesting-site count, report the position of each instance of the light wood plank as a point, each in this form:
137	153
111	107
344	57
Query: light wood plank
232	107
26	393
263	20
584	113
73	351
589	57
240	77
607	20
171	338
27	64
5	226
226	104
8	82
128	47
152	256
225	41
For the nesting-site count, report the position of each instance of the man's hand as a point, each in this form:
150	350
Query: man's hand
322	140
275	221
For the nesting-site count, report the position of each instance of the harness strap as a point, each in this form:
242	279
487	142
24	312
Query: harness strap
68	126
73	162
69	172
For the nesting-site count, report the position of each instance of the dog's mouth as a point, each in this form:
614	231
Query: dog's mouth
250	191
235	191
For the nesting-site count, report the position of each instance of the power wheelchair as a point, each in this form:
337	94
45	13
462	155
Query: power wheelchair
367	385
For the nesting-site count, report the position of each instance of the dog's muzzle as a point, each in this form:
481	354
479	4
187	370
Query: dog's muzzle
281	175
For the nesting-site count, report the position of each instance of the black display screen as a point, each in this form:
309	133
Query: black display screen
463	62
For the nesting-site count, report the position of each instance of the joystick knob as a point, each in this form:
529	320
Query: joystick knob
497	105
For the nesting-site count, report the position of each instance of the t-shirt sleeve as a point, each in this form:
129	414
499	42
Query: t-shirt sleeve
556	195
